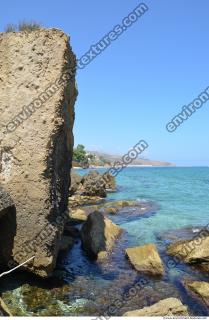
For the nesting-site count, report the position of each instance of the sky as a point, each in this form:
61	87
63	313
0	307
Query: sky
141	80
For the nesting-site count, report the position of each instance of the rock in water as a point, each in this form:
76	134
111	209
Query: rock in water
194	251
7	227
199	289
37	96
166	307
98	235
93	185
110	182
146	259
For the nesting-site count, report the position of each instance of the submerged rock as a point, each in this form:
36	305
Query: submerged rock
167	307
200	289
146	259
37	96
98	235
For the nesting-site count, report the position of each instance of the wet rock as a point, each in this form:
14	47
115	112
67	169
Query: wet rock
200	289
78	215
194	251
36	138
66	243
71	231
98	235
146	259
167	307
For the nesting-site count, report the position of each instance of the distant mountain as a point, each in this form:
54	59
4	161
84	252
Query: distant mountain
109	159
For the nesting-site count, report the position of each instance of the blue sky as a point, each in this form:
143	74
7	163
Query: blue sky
141	80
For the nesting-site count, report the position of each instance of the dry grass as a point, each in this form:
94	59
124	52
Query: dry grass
23	26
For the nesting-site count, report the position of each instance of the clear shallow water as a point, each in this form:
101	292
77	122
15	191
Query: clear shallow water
181	195
179	199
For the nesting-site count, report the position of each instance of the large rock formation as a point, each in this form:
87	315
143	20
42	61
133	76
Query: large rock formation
166	307
37	96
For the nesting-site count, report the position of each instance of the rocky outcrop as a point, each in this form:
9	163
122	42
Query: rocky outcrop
166	307
125	207
37	96
98	235
7	227
92	184
110	183
194	251
146	259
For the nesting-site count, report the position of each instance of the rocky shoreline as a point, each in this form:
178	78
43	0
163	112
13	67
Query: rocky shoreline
82	262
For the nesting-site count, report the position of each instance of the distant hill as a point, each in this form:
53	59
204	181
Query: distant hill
105	159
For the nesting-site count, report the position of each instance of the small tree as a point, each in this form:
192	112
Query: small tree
79	154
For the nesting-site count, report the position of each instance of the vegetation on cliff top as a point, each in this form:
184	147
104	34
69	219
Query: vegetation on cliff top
23	26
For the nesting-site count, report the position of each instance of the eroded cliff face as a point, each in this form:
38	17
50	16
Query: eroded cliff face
37	96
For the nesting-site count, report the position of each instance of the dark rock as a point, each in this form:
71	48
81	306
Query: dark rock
98	235
6	202
7	227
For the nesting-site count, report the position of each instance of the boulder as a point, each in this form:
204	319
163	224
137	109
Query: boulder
199	289
37	96
166	307
99	235
146	259
194	251
93	185
8	226
110	183
75	182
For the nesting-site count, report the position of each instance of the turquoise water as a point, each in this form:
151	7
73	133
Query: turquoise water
177	198
181	196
